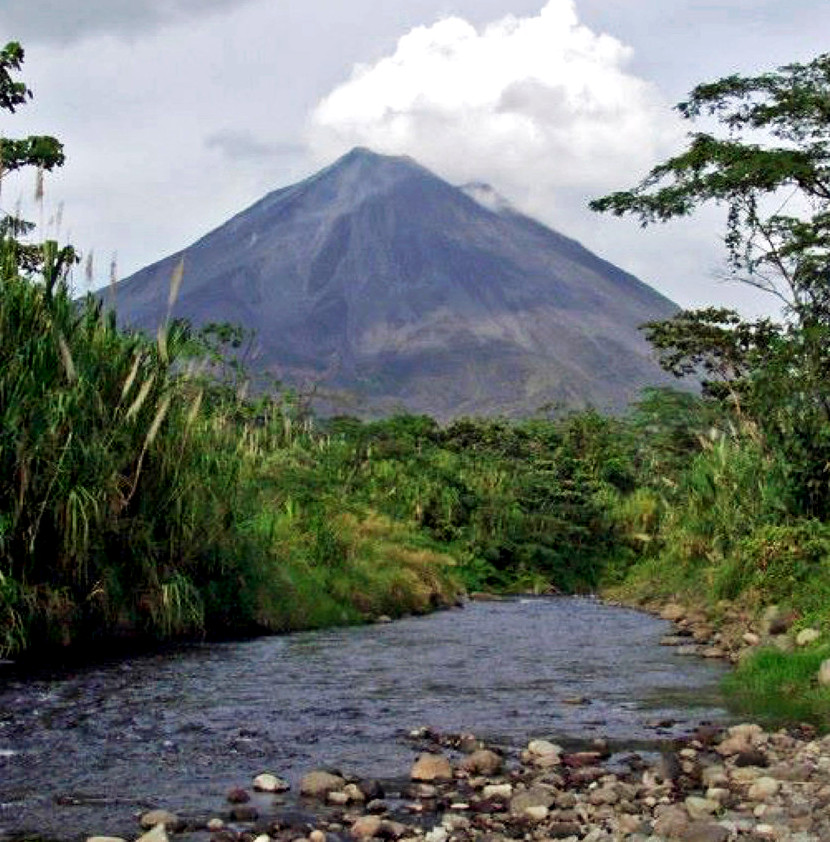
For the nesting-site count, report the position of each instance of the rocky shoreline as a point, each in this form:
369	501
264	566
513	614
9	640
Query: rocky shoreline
736	784
728	631
716	785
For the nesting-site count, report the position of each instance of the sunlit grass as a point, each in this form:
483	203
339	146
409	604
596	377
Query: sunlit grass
780	687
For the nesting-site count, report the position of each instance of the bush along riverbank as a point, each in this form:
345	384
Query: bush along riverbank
715	786
746	519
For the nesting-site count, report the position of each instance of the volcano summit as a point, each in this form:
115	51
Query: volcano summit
385	288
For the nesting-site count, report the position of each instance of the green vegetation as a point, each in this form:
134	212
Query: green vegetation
781	687
143	498
746	518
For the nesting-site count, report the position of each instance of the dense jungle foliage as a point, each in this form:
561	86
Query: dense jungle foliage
143	497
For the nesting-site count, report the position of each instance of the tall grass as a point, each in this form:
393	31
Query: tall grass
140	499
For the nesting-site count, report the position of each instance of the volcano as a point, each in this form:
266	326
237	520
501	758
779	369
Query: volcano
378	287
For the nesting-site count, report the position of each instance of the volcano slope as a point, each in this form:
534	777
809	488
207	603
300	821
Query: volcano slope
380	288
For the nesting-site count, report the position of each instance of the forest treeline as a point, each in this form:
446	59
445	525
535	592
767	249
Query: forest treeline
143	496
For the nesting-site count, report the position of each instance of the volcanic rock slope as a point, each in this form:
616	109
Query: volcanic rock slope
382	288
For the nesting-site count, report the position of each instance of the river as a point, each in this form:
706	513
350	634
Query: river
83	750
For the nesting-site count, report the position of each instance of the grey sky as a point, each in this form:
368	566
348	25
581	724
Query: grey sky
176	114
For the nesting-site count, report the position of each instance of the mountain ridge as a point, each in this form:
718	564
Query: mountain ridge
391	289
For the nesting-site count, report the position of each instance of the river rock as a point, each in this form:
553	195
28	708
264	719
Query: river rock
163	817
763	789
714	776
603	795
237	795
372	790
377	805
319	784
393	830
536	796
431	767
244	813
672	821
267	782
482	762
562	830
105	839
751	757
700	808
674	640
501	791
539	748
156	834
536	813
705	832
437	834
673	612
751	639
824	674
316	835
774	621
582	759
366	827
354	793
807	636
741	738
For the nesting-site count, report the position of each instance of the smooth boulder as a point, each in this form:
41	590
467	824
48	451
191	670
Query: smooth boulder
431	767
319	784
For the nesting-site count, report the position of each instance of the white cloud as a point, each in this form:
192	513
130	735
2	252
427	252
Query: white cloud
533	104
547	111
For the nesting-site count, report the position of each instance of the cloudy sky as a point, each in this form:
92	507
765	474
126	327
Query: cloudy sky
177	114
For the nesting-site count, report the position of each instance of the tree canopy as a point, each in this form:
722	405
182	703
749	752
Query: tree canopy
768	162
41	151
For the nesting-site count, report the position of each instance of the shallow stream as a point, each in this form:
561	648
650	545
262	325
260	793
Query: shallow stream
82	751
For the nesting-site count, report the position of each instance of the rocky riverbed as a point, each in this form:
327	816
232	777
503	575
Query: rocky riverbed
717	785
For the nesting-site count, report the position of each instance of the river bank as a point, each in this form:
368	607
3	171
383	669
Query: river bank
716	785
782	664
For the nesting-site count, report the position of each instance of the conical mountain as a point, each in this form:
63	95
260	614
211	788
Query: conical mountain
386	288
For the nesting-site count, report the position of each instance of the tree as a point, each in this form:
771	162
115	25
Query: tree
41	151
768	162
774	157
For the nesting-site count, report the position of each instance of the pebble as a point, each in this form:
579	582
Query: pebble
156	834
482	762
237	795
431	767
807	636
497	791
763	788
319	784
267	782
151	818
366	827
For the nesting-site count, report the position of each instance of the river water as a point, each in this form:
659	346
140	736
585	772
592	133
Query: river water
81	752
